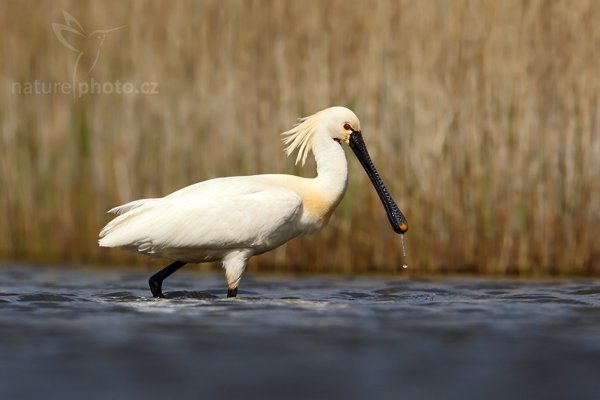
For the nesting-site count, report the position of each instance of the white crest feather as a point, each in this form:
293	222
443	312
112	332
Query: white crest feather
301	137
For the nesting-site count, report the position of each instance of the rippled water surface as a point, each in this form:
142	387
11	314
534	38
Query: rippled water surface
74	333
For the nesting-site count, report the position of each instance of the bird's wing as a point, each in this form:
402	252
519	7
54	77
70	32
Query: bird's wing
223	213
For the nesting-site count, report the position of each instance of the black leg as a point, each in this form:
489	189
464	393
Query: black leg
157	279
231	292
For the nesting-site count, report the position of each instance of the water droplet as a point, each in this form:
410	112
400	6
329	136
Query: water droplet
403	252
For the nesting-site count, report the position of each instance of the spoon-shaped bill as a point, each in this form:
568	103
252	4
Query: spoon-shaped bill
395	216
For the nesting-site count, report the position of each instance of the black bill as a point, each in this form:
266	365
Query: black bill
397	219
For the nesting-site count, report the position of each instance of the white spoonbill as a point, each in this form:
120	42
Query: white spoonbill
232	219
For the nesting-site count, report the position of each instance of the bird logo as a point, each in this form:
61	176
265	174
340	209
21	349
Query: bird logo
87	46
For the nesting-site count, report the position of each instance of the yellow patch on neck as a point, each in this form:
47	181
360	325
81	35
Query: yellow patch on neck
318	205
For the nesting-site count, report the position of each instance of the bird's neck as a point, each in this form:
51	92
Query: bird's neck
332	168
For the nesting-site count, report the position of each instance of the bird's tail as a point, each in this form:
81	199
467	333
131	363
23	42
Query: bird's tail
109	236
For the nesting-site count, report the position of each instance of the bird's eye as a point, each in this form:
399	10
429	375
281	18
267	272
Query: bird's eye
347	127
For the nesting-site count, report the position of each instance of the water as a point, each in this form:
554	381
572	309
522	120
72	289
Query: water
404	252
88	334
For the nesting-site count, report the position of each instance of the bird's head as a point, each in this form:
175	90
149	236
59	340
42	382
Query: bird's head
340	123
337	122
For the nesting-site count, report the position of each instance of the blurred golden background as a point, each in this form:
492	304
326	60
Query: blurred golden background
483	117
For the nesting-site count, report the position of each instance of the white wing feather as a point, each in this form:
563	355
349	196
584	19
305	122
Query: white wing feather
129	206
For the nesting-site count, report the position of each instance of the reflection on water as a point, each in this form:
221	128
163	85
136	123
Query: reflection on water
74	333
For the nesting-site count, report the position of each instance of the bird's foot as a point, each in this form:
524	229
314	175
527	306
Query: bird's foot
156	288
232	292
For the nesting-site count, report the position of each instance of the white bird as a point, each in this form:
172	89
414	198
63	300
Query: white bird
232	219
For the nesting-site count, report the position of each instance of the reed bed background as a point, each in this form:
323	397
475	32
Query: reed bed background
482	116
